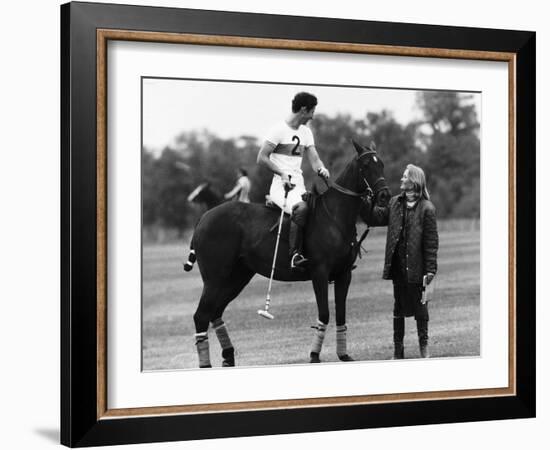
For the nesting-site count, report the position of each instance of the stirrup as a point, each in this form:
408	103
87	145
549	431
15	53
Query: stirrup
297	261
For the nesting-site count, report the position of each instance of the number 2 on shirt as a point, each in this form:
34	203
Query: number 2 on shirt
295	151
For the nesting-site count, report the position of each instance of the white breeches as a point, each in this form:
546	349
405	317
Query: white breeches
277	192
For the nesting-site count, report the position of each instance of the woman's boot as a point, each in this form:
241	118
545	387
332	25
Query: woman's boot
422	328
398	335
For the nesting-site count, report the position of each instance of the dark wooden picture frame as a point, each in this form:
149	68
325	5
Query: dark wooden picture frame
85	30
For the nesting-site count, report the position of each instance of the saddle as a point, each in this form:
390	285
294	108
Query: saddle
314	200
270	204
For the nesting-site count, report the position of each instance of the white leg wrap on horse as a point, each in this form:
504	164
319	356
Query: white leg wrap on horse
319	337
190	261
203	349
221	333
341	340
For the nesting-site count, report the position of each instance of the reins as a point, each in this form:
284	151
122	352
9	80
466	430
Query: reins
346	191
367	194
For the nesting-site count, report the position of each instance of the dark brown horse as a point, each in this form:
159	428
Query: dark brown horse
234	241
205	194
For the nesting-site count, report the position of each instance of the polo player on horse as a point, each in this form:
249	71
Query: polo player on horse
282	154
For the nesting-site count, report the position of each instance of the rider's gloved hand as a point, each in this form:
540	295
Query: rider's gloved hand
323	173
286	181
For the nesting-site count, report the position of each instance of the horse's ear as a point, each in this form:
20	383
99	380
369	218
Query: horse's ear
372	146
358	147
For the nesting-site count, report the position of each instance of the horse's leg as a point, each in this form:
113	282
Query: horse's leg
341	286
320	286
240	278
202	317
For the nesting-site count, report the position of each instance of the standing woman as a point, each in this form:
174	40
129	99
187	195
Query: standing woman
411	253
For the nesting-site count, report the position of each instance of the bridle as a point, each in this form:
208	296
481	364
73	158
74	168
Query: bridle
370	192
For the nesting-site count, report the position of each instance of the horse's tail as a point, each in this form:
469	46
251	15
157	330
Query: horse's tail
192	258
188	266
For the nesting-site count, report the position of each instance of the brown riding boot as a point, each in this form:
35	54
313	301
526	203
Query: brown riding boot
422	329
424	352
398	350
296	234
398	335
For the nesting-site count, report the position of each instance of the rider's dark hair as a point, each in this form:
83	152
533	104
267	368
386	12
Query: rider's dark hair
243	171
303	99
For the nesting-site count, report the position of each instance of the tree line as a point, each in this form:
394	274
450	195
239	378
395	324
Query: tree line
444	142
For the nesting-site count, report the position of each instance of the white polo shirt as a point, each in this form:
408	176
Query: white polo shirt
290	145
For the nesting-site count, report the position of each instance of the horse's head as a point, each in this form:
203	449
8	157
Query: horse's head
205	194
371	169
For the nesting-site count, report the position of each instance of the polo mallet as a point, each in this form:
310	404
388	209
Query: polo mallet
265	312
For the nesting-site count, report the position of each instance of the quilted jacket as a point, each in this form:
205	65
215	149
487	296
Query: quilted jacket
422	236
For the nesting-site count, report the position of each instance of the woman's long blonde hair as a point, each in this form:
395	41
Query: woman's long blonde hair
416	175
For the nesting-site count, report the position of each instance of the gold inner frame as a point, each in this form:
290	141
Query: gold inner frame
104	35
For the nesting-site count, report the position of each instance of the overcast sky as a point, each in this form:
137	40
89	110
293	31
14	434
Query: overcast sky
230	109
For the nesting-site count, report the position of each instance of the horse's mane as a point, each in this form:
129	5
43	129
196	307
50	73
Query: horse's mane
348	172
350	167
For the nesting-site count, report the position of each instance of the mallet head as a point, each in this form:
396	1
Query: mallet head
265	314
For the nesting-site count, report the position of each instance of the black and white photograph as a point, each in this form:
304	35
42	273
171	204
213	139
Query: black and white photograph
274	225
291	223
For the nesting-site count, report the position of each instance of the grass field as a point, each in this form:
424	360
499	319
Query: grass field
170	297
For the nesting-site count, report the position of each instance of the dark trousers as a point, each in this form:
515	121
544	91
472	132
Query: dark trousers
299	213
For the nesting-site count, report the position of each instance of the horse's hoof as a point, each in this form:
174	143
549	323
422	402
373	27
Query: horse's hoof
345	358
209	366
228	363
314	357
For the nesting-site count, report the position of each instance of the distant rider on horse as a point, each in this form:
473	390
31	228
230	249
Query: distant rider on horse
282	154
242	188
